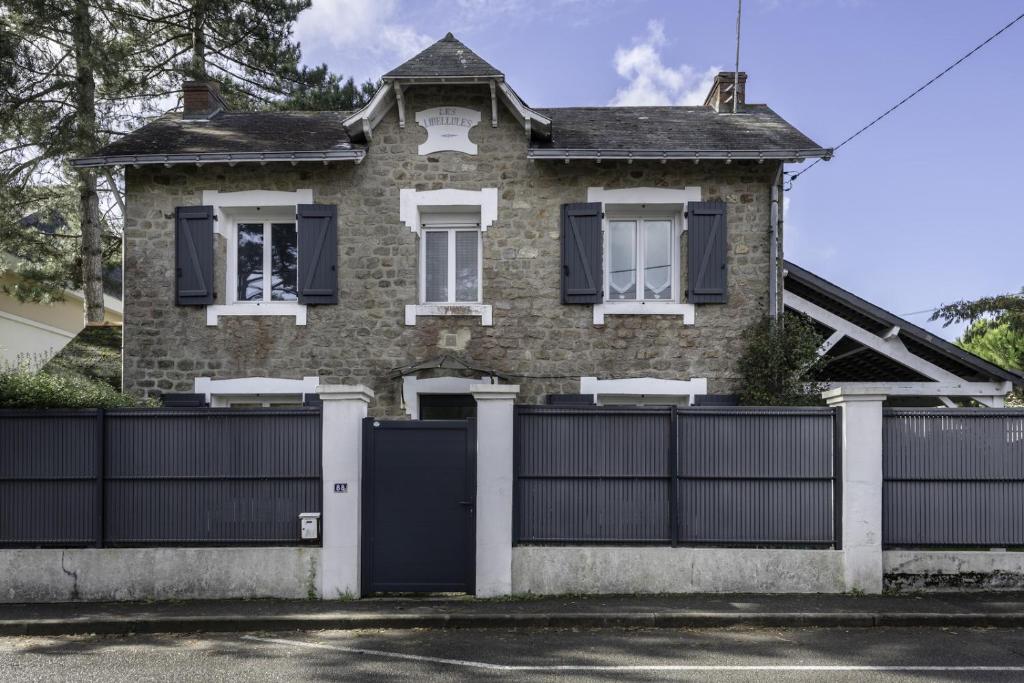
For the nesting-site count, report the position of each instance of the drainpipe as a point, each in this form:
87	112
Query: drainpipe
775	257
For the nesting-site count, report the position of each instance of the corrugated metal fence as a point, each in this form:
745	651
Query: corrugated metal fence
953	477
157	476
673	475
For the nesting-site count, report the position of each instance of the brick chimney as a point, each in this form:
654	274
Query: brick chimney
721	95
202	99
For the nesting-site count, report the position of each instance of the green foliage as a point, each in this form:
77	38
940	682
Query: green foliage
24	386
779	362
317	89
997	343
1002	309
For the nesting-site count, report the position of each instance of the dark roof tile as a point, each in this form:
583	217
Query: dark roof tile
757	129
236	132
449	58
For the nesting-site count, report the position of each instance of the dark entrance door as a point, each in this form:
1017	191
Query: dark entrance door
419	489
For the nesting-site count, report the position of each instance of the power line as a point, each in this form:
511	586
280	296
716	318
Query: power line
906	99
932	310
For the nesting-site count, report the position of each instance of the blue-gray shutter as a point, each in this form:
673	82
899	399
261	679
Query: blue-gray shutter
193	255
582	247
705	263
318	253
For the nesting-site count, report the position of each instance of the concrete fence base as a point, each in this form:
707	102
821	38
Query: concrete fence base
937	570
545	570
158	574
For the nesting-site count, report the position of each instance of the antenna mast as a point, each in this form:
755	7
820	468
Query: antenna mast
736	74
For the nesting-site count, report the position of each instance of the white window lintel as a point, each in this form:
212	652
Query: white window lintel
225	203
686	311
483	311
644	386
479	205
413	386
256	308
252	386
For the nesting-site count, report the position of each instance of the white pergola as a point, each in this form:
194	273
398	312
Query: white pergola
941	384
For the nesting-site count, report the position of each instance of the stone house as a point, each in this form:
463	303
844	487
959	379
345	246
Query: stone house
448	234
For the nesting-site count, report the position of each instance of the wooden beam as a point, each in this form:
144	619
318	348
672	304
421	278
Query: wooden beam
827	345
892	349
401	105
958	388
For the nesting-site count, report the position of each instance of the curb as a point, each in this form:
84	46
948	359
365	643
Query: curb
234	623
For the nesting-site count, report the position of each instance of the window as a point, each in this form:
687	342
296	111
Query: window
265	256
450	266
642	261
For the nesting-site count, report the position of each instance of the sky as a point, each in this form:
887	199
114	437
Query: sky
925	208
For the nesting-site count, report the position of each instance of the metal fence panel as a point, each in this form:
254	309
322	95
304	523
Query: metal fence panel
756	475
592	474
48	477
953	477
725	475
158	476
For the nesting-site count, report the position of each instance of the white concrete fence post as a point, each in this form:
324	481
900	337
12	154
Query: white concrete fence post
862	486
494	487
344	408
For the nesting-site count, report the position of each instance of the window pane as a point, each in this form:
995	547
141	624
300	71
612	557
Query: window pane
657	259
466	265
436	266
284	259
622	260
250	261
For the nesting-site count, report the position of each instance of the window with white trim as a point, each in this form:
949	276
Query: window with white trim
263	256
643	259
450	265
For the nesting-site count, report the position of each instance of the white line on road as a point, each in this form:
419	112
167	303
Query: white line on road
627	667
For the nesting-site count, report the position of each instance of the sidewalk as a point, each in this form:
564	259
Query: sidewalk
675	611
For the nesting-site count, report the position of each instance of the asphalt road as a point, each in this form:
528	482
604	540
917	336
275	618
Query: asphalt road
737	654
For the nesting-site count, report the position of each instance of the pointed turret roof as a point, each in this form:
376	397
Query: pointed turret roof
447	58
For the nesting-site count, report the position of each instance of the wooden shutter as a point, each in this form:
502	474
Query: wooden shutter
193	255
582	264
318	253
706	251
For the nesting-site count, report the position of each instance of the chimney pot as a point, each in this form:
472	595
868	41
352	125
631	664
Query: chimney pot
721	96
201	99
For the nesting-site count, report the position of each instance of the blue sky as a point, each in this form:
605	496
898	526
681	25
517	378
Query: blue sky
925	208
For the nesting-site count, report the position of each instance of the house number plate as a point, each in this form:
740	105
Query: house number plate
340	487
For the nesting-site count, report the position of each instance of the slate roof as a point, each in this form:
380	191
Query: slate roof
449	58
756	129
868	366
301	133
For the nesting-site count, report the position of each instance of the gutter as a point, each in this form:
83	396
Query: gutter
695	155
355	155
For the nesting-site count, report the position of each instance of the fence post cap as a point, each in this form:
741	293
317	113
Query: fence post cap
494	391
345	392
847	394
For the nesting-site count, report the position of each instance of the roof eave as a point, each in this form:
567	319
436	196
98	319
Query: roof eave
790	155
919	334
355	155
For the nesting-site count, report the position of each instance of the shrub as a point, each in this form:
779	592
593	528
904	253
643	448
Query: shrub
779	362
22	386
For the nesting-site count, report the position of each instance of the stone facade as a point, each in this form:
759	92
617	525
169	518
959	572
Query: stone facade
362	338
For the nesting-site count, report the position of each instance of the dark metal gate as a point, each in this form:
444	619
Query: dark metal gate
419	491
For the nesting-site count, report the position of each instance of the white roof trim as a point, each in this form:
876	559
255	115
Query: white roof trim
362	122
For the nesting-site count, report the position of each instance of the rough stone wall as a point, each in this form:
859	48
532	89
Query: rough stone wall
364	336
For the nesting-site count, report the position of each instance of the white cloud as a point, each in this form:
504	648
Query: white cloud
363	32
651	82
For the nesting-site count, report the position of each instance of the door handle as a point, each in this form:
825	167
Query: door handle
466	502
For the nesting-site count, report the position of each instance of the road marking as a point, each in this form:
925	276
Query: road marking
626	667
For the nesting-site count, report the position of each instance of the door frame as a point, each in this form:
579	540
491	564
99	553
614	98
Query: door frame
370	427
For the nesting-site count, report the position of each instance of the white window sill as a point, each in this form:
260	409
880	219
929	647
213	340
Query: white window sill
483	311
643	308
216	311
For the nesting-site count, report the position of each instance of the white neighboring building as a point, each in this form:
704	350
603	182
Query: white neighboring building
43	329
